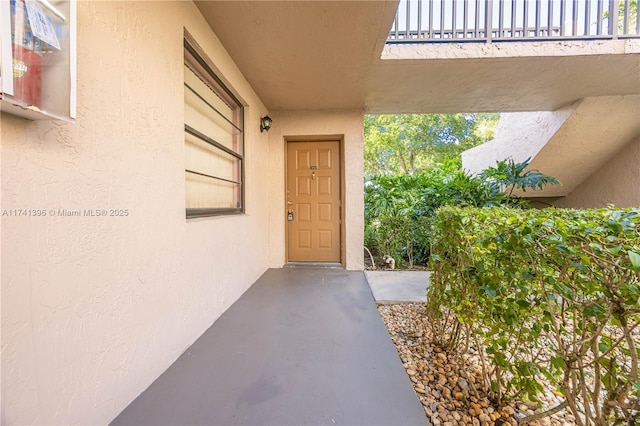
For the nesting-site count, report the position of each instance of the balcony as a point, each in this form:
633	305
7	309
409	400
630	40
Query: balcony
446	21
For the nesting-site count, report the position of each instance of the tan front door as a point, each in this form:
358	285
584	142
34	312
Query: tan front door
313	201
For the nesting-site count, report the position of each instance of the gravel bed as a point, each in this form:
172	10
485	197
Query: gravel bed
443	389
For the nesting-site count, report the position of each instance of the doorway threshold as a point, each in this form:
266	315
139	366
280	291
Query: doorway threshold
314	265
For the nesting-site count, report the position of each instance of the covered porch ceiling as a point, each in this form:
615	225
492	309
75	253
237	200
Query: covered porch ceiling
327	55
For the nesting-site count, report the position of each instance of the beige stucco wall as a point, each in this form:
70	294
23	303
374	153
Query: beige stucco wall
519	135
318	124
95	308
570	144
617	183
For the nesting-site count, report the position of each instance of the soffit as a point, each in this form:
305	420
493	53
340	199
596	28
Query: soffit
499	84
326	55
303	55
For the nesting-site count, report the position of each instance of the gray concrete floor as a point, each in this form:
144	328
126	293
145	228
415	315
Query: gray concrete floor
398	286
303	346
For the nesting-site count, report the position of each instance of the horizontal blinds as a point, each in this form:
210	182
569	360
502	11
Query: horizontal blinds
213	141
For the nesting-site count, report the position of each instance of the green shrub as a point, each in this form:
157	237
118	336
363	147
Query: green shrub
544	293
399	209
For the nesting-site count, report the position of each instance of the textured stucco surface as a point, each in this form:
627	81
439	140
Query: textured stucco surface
509	50
304	55
95	308
316	125
570	144
332	55
519	135
597	130
501	84
617	183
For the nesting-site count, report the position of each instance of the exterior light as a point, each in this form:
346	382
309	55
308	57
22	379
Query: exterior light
265	123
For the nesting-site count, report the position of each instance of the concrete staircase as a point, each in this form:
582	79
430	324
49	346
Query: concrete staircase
571	143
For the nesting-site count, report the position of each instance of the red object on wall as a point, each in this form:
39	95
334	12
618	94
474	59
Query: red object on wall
27	75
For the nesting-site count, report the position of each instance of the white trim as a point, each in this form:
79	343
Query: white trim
73	58
5	46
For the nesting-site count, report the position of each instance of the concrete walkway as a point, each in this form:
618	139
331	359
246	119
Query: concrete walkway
398	286
303	346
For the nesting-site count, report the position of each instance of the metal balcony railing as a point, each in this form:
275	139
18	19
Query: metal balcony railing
425	21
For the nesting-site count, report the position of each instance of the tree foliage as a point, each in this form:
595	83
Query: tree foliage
411	143
632	14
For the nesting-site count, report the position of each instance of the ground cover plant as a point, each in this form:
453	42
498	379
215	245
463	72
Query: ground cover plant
543	294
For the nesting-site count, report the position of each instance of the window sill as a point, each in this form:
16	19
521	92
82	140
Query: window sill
204	213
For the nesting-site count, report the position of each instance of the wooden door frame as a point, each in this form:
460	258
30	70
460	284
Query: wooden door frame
318	138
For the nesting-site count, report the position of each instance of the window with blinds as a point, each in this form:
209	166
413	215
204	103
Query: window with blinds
214	141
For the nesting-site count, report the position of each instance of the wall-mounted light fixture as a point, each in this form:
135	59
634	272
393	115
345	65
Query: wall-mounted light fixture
265	123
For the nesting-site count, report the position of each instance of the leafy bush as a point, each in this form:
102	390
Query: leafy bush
507	176
399	209
544	293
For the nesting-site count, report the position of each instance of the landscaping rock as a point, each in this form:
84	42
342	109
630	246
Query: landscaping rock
446	393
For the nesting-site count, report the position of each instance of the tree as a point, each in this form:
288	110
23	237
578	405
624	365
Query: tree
632	14
410	143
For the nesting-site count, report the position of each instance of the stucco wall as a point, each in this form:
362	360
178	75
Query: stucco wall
519	135
617	183
95	308
570	144
317	124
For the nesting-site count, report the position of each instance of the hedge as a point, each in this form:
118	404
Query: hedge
551	294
